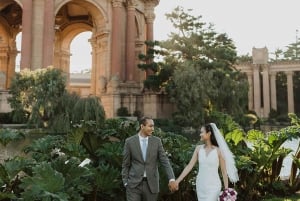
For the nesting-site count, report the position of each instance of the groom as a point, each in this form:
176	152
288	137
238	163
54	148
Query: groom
140	164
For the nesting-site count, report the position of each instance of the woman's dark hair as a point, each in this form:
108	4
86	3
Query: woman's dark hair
208	128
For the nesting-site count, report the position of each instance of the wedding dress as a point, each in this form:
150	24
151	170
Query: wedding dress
208	183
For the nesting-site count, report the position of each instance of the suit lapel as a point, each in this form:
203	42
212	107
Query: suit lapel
150	144
138	145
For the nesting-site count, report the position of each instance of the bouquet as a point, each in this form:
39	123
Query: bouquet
228	194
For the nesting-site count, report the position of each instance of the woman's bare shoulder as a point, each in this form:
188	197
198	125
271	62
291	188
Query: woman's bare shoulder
218	149
198	147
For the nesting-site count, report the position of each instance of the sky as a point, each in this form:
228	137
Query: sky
249	23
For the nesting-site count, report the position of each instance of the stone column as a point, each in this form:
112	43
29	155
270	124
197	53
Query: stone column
12	65
273	91
37	34
64	65
26	35
4	61
48	36
290	92
256	91
116	58
130	41
150	17
266	91
100	73
93	71
250	92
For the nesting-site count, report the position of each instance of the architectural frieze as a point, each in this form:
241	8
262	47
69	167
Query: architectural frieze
117	3
286	62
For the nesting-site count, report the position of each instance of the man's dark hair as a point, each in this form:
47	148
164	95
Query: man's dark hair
143	120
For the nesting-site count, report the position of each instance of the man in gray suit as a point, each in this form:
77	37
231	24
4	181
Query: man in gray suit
141	155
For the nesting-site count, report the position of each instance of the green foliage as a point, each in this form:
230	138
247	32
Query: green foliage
36	93
77	178
189	94
152	62
11	173
179	151
45	184
42	148
111	153
107	181
64	111
244	59
204	78
119	129
293	51
88	109
11	118
296	85
167	125
260	163
8	135
55	173
123	112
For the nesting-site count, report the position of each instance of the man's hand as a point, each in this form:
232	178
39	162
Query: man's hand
173	186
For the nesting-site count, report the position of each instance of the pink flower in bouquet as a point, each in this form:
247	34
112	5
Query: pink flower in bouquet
228	194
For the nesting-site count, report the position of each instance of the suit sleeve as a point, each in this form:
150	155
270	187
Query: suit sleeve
164	160
125	163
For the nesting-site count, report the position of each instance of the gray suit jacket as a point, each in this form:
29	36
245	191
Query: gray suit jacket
133	165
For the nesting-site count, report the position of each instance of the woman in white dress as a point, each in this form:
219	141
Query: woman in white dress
212	155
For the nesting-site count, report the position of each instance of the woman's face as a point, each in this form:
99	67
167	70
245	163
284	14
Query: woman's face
203	134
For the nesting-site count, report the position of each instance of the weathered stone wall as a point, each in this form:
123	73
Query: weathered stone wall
4	106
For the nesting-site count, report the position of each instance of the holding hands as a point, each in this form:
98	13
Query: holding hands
173	186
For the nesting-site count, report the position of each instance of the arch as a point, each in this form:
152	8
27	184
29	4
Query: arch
81	60
94	8
19	2
71	32
5	3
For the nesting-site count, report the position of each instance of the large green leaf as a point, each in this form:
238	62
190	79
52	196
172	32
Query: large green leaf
236	136
8	135
76	177
107	178
111	153
45	183
41	148
15	165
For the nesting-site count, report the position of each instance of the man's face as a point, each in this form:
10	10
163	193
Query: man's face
148	128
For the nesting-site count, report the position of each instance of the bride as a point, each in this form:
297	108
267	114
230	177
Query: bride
211	155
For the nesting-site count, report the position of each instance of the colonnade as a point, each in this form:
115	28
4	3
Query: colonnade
262	95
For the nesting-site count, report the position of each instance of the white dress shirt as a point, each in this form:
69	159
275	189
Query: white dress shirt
141	141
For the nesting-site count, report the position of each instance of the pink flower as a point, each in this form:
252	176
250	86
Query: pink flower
228	194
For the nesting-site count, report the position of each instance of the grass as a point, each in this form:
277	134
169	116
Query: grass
295	197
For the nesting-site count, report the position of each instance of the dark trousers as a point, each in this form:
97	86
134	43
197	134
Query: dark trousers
141	193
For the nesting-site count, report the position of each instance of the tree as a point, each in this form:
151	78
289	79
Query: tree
152	61
37	94
293	51
204	78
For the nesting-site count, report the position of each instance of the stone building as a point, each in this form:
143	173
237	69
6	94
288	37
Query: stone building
262	95
119	29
